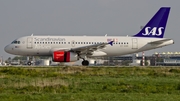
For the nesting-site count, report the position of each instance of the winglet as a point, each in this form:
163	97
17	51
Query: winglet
111	43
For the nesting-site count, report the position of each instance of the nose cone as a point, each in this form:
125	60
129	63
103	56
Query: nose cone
7	49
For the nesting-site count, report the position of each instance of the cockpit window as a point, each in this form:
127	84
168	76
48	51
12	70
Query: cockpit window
15	42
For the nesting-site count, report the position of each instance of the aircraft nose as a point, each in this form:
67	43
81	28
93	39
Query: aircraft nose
7	49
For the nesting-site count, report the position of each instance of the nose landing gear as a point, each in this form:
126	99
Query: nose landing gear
29	63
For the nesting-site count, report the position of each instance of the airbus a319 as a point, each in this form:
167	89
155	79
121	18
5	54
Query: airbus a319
73	48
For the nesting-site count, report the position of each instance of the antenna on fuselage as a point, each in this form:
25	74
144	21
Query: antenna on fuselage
105	34
32	34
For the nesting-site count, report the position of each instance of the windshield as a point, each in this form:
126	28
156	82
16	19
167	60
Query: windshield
15	42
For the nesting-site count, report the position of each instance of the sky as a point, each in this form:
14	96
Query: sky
83	17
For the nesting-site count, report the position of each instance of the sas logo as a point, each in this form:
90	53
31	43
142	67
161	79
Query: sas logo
153	31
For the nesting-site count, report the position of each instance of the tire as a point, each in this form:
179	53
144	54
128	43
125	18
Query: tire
85	63
29	63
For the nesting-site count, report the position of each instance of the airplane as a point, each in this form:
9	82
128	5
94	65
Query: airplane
73	48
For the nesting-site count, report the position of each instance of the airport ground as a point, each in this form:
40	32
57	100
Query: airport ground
89	83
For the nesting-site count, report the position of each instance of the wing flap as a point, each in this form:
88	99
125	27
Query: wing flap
90	48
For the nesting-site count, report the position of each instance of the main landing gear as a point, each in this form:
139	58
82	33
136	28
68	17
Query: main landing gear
85	62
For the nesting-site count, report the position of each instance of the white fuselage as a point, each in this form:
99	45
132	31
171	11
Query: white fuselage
45	45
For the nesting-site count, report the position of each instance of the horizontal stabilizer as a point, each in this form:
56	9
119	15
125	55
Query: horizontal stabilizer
159	41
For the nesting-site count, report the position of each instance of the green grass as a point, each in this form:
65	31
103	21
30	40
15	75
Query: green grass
89	83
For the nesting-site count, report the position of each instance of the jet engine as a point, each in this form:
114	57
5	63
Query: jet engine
63	56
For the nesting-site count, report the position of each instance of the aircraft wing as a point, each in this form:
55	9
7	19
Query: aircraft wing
159	41
90	48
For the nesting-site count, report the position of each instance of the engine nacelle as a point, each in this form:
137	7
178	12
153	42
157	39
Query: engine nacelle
63	56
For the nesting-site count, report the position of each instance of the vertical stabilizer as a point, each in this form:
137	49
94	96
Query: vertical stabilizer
157	25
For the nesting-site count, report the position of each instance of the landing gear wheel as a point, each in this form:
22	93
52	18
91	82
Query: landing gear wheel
29	63
85	63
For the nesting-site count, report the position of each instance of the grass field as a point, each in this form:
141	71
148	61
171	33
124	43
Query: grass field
90	83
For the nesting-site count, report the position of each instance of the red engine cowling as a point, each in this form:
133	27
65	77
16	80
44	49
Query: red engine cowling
63	56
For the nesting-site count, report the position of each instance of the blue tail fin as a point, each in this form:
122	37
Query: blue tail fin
157	25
